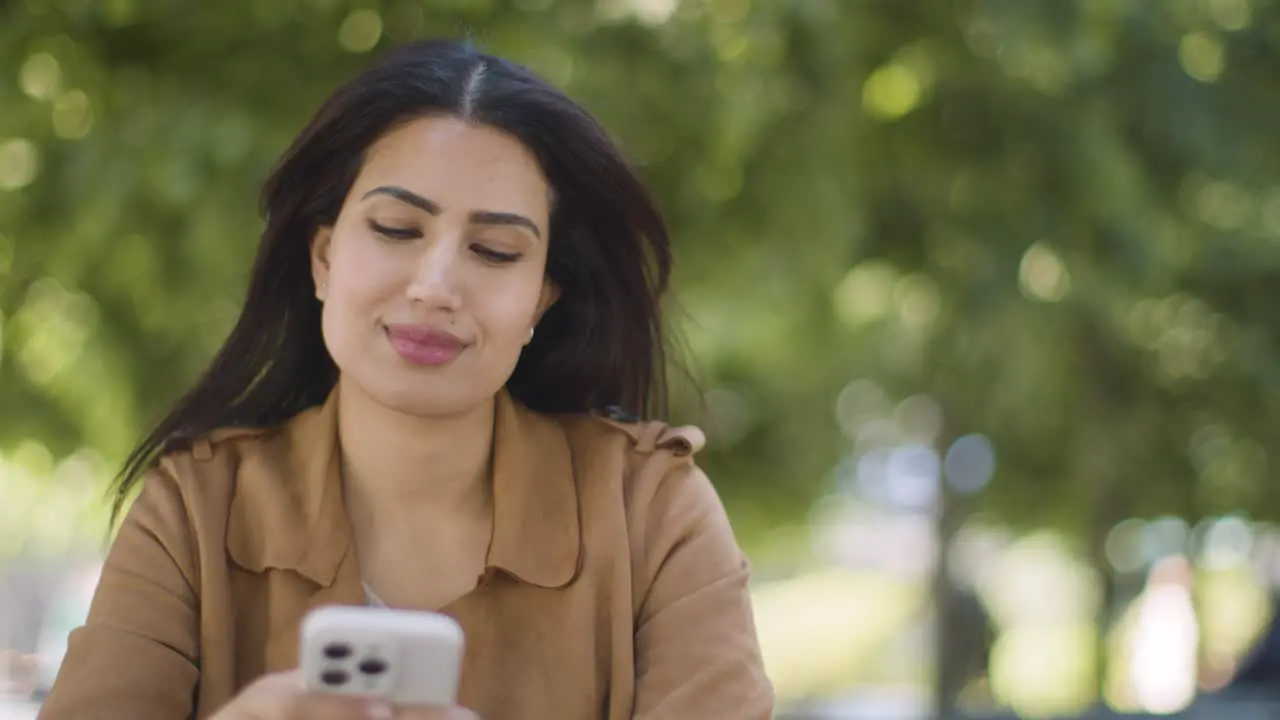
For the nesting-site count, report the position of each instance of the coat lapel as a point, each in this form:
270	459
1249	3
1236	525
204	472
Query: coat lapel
288	525
281	649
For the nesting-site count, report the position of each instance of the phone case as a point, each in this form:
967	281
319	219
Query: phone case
409	658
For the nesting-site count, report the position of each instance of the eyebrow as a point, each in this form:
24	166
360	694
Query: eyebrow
431	207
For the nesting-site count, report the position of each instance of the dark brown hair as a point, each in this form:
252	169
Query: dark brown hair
602	344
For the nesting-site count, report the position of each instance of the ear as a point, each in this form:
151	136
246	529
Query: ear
321	243
550	294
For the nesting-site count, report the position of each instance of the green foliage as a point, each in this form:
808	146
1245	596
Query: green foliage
1059	220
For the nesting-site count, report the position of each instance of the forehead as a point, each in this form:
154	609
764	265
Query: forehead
460	165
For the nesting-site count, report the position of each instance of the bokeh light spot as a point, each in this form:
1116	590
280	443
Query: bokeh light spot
1232	15
41	76
72	115
19	163
866	292
1202	56
1042	275
361	31
891	91
970	463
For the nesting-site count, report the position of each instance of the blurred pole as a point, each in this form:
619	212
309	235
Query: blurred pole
949	651
1099	452
947	683
1107	512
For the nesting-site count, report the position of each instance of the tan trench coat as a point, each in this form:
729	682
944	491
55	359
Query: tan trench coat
614	587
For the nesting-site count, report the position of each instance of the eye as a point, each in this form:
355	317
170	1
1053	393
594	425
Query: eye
395	233
494	256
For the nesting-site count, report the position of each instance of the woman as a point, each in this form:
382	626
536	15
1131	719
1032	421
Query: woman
458	267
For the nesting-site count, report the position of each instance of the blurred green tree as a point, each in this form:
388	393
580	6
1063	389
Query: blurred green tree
1061	221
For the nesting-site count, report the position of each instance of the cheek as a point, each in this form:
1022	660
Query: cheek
359	284
360	274
508	314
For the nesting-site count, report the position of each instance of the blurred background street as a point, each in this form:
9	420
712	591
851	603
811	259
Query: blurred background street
979	297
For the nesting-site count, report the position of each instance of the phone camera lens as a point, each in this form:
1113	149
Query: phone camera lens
373	666
334	677
337	651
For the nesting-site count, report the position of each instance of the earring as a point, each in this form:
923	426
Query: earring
526	342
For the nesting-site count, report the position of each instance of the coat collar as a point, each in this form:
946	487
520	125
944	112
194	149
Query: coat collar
287	511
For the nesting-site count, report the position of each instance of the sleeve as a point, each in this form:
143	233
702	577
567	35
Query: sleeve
697	654
136	655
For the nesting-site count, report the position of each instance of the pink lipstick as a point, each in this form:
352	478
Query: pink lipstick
422	345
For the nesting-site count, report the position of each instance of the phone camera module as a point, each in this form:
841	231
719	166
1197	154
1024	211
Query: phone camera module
337	651
334	678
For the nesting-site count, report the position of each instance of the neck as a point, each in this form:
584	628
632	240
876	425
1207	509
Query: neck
396	464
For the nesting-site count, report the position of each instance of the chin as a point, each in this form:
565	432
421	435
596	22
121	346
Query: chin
428	398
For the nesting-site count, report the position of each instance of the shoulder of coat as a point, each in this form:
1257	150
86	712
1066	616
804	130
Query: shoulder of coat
203	447
649	436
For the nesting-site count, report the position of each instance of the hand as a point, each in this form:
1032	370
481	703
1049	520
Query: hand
282	697
449	713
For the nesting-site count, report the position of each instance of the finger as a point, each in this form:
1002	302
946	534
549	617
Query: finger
436	713
323	706
270	696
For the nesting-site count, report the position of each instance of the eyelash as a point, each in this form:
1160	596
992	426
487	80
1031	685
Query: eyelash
403	234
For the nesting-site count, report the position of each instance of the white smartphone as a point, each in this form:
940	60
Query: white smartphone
408	658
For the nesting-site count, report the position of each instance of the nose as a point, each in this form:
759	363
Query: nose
435	279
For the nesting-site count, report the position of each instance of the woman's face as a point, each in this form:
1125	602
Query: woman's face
433	275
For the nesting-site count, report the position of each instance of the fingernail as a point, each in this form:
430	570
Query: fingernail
379	710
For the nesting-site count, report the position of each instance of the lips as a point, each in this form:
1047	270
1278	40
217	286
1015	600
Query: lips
426	346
